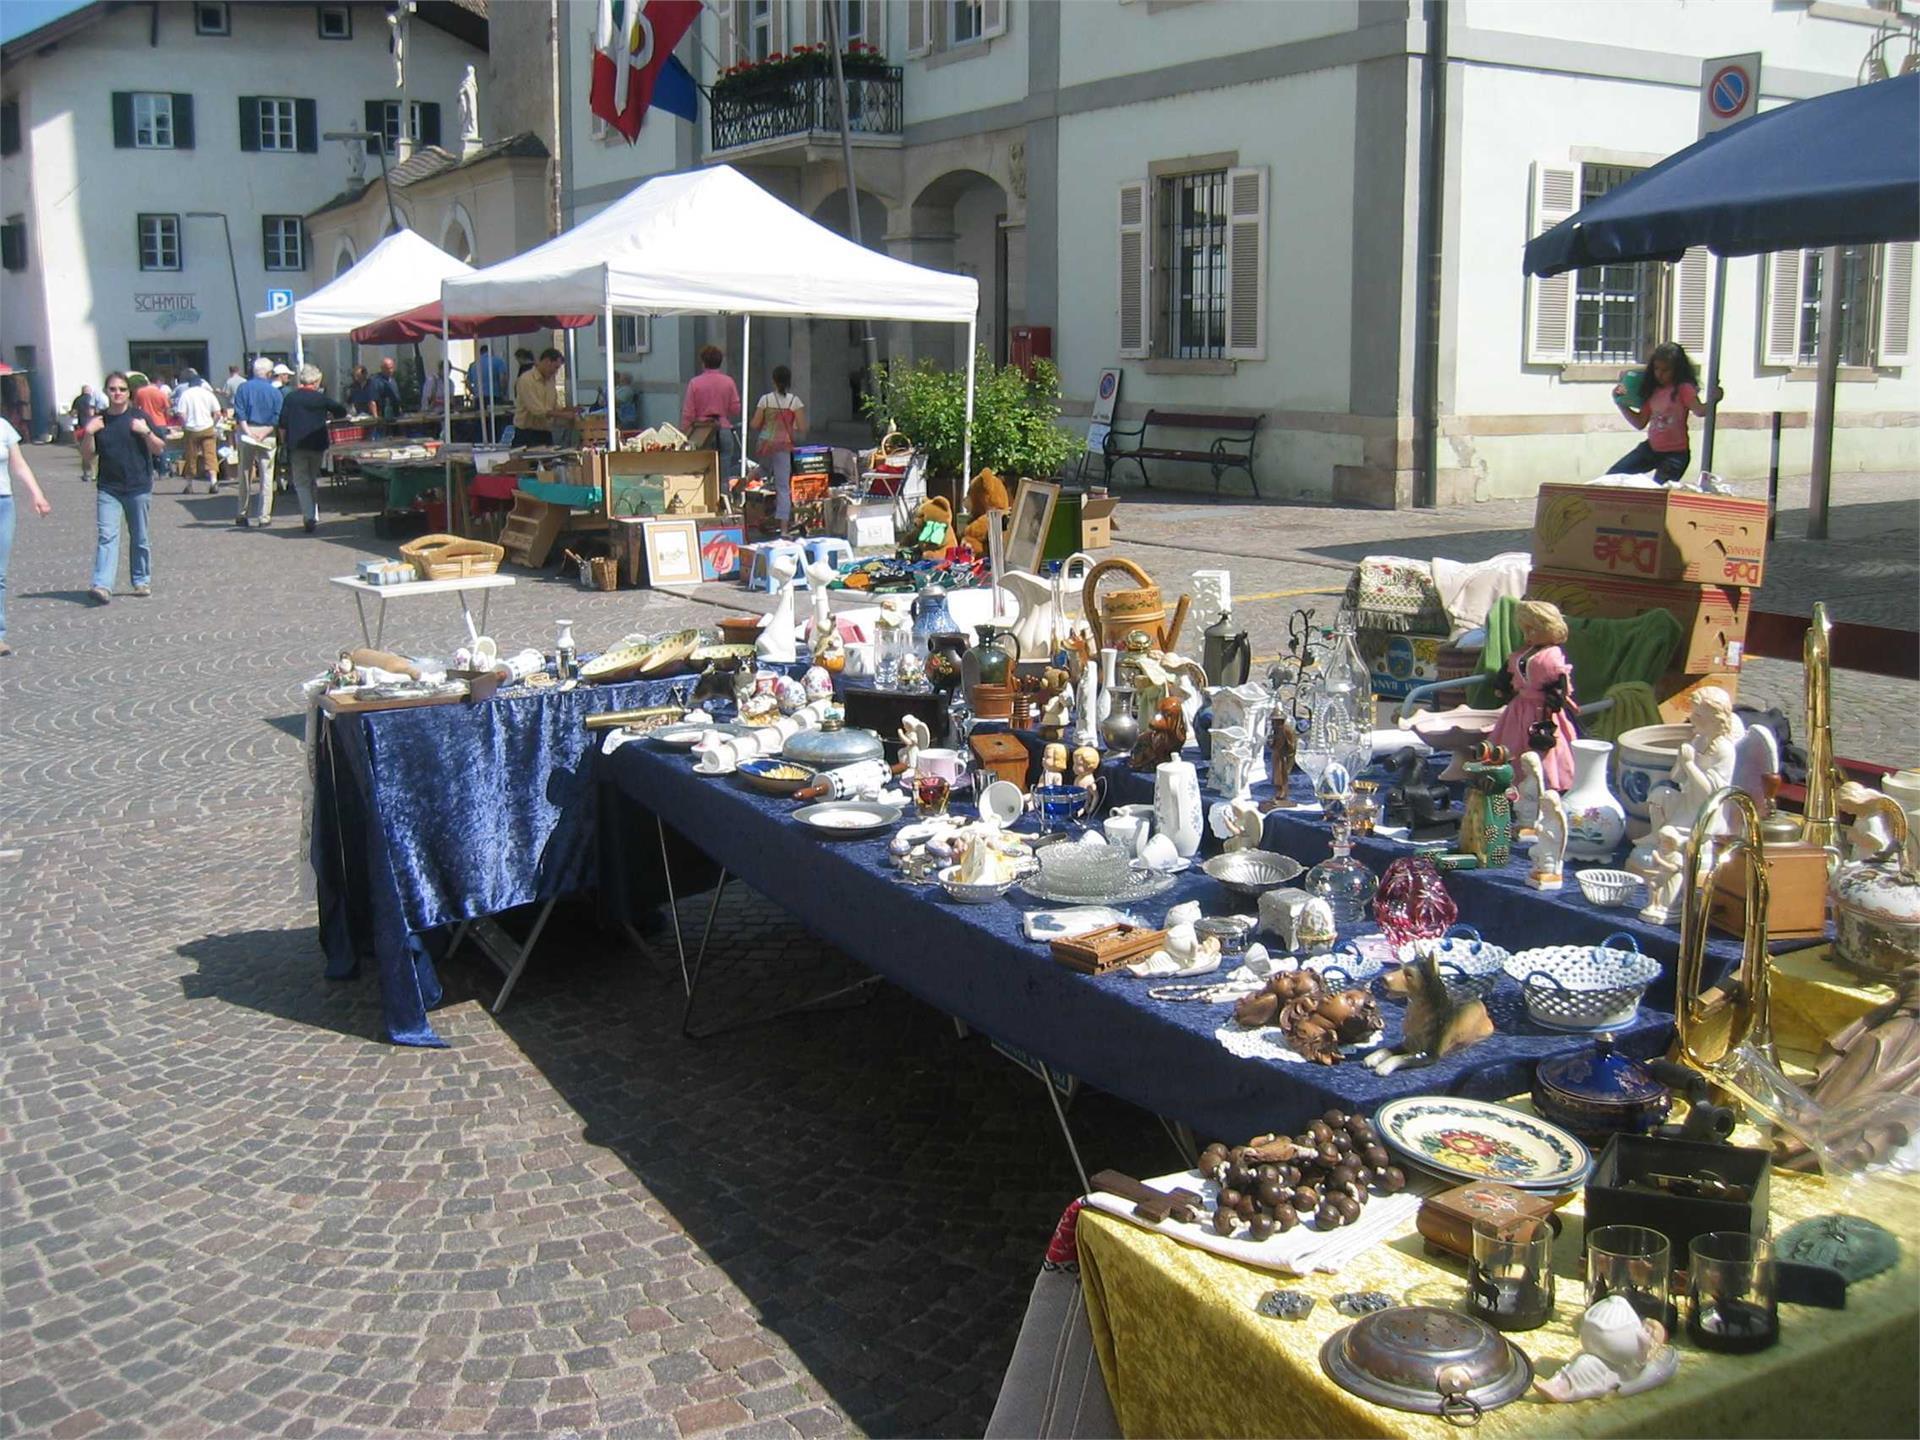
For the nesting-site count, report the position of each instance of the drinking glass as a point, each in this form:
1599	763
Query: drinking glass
1732	1306
1633	1261
1510	1281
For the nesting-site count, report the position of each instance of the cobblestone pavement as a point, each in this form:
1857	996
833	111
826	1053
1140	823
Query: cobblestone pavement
229	1208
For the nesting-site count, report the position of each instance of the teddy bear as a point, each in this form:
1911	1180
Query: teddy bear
936	537
987	493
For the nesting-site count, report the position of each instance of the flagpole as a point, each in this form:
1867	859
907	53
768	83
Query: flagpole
746	382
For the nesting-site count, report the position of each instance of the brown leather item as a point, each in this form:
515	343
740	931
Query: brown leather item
1108	948
1446	1219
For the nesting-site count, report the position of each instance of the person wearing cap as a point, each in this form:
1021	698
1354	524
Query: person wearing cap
199	409
282	375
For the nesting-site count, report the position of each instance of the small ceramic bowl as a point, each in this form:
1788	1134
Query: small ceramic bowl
1609	887
975	894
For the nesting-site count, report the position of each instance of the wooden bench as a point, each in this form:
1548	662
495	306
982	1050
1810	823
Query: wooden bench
1232	447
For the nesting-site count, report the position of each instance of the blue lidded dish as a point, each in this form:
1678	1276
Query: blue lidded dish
1599	1092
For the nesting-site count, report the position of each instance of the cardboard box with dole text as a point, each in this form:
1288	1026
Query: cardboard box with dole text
1640	533
1713	618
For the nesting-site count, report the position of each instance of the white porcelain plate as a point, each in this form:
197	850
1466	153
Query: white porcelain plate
848	819
1476	1140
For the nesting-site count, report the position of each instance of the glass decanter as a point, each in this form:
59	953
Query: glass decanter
1343	882
1330	735
1343	672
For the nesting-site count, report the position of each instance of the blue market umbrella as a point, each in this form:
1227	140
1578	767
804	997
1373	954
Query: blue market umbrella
1841	169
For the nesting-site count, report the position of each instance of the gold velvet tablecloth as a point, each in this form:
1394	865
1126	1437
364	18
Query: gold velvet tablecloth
1184	1353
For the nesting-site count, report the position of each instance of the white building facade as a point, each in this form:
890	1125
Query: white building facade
1224	198
113	189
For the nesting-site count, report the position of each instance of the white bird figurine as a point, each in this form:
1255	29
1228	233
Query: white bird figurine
1238	823
820	574
779	637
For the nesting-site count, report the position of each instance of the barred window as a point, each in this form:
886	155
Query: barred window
1192	257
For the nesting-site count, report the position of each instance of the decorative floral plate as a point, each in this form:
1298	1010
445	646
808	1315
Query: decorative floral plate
1475	1140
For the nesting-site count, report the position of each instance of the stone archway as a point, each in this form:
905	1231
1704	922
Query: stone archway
959	224
827	355
456	234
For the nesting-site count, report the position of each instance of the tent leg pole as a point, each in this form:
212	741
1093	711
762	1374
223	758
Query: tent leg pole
966	434
613	420
1713	362
746	384
446	383
1820	482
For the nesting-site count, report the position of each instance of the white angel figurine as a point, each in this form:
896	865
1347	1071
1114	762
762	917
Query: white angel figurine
1618	1351
914	737
1663	873
1237	822
1547	859
780	637
1529	783
1058	714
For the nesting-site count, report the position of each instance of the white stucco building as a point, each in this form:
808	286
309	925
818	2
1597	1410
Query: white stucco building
1225	199
112	188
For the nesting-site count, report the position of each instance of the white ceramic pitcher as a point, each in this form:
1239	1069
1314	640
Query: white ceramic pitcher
1176	805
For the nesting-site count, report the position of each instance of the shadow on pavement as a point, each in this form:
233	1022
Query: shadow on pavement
281	973
880	1190
76	597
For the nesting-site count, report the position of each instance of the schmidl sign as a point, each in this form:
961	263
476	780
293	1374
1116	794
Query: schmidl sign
168	309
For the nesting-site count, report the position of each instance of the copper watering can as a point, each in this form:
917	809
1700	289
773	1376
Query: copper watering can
1115	613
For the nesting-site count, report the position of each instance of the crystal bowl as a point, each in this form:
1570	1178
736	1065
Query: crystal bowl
1093	871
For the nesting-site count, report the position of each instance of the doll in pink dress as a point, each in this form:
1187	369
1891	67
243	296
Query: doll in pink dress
1537	684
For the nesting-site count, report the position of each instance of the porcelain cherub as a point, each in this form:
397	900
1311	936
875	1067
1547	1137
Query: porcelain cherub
1618	1351
1086	774
1053	765
1529	784
1663	871
1547	860
914	737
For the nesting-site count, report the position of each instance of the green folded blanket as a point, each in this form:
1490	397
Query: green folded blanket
1621	658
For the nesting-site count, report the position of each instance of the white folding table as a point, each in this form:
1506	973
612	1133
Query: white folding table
383	593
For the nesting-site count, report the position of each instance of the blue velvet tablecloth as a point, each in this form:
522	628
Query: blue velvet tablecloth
427	817
974	962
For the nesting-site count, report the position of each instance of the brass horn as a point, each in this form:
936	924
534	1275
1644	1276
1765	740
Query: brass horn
1708	1028
1823	776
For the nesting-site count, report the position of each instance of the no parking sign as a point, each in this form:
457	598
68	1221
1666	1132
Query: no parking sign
1729	91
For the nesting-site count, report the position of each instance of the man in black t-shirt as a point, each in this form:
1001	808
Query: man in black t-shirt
303	421
124	445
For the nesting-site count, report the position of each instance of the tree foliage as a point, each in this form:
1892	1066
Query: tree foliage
1016	419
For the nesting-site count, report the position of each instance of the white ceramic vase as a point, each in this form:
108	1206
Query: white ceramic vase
1176	806
1596	821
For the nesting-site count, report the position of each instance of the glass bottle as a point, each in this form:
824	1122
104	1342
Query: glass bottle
564	654
1343	882
1343	672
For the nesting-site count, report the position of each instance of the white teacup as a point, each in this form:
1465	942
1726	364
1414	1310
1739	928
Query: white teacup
717	754
1159	853
1127	833
946	764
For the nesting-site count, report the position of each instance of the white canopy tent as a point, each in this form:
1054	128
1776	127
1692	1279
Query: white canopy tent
399	273
712	242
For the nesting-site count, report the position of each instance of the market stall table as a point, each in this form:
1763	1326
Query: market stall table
410	588
975	963
1184	1353
437	816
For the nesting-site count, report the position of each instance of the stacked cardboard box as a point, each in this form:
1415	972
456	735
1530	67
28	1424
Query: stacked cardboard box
1614	552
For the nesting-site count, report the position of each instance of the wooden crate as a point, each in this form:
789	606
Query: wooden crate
532	529
648	483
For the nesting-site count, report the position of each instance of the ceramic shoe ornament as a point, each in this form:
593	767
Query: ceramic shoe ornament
1184	954
1618	1352
1237	823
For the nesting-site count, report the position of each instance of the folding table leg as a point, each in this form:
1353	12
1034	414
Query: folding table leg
673	908
1181	1134
524	954
1066	1130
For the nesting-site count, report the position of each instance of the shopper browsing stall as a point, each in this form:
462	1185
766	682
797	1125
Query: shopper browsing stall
256	407
303	421
779	419
124	444
199	407
536	401
713	399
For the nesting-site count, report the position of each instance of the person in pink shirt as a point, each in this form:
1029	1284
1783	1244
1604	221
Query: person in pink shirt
713	398
1670	391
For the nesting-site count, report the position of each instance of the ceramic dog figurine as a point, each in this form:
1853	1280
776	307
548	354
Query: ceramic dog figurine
1436	1024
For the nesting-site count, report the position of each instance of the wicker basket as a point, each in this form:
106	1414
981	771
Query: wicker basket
448	557
604	572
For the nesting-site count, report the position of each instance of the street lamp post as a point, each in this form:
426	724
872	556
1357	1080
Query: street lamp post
233	272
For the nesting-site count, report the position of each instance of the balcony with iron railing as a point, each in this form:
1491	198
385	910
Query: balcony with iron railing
775	107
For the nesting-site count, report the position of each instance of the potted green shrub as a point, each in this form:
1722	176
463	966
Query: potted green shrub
1016	419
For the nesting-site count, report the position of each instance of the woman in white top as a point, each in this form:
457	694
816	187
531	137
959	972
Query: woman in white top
780	418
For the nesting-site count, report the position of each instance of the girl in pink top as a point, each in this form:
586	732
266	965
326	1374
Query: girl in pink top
713	398
1671	390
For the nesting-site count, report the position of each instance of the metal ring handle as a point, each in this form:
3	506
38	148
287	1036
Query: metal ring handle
1461	1411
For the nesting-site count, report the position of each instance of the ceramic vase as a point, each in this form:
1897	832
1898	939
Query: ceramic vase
1176	805
1596	821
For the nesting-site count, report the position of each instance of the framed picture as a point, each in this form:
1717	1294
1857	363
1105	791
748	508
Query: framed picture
673	552
1033	506
721	542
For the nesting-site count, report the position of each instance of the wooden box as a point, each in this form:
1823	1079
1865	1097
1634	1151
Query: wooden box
1446	1220
1675	692
1796	893
1713	618
658	482
1004	755
1651	533
1101	951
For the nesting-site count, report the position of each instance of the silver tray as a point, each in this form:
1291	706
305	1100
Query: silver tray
1253	872
1140	885
1396	1358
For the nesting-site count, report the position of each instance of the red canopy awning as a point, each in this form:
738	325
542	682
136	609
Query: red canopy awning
423	323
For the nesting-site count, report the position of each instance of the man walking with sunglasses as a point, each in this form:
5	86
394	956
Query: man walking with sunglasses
123	444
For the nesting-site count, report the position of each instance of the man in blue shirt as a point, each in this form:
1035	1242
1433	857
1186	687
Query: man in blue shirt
256	408
487	377
385	392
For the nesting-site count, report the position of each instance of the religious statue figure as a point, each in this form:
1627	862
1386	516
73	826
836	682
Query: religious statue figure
469	106
356	161
397	21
